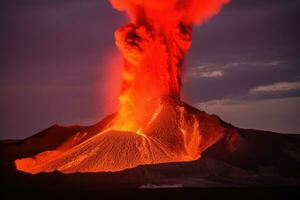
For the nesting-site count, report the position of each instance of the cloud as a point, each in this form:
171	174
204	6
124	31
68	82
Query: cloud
278	115
276	87
252	63
208	74
213	74
217	70
206	71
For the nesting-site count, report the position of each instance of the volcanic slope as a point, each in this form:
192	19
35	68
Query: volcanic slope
177	132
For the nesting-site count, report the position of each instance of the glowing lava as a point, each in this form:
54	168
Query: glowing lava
152	124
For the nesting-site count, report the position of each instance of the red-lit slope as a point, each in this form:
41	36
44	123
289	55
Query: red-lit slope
178	132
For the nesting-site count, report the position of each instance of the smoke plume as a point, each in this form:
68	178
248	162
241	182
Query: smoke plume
153	47
185	11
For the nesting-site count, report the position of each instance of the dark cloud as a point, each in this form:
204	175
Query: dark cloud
238	78
249	35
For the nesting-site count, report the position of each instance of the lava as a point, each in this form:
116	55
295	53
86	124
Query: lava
152	124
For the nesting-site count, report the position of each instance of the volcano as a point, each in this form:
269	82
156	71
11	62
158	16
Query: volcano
153	129
177	133
152	124
239	158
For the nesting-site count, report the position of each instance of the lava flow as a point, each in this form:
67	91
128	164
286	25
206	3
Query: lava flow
152	124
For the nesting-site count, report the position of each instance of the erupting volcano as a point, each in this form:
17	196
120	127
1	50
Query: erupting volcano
152	125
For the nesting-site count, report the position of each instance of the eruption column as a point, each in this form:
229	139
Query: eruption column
153	47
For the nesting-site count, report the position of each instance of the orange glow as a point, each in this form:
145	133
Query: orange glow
152	124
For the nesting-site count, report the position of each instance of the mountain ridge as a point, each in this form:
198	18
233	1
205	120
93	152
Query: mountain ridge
261	159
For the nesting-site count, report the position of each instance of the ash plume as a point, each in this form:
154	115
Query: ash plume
153	47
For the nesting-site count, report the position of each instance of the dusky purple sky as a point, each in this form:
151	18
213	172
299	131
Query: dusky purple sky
58	60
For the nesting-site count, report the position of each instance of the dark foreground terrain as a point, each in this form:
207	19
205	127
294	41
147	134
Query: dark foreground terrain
261	160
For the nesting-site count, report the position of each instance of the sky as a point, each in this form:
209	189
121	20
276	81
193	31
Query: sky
59	64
